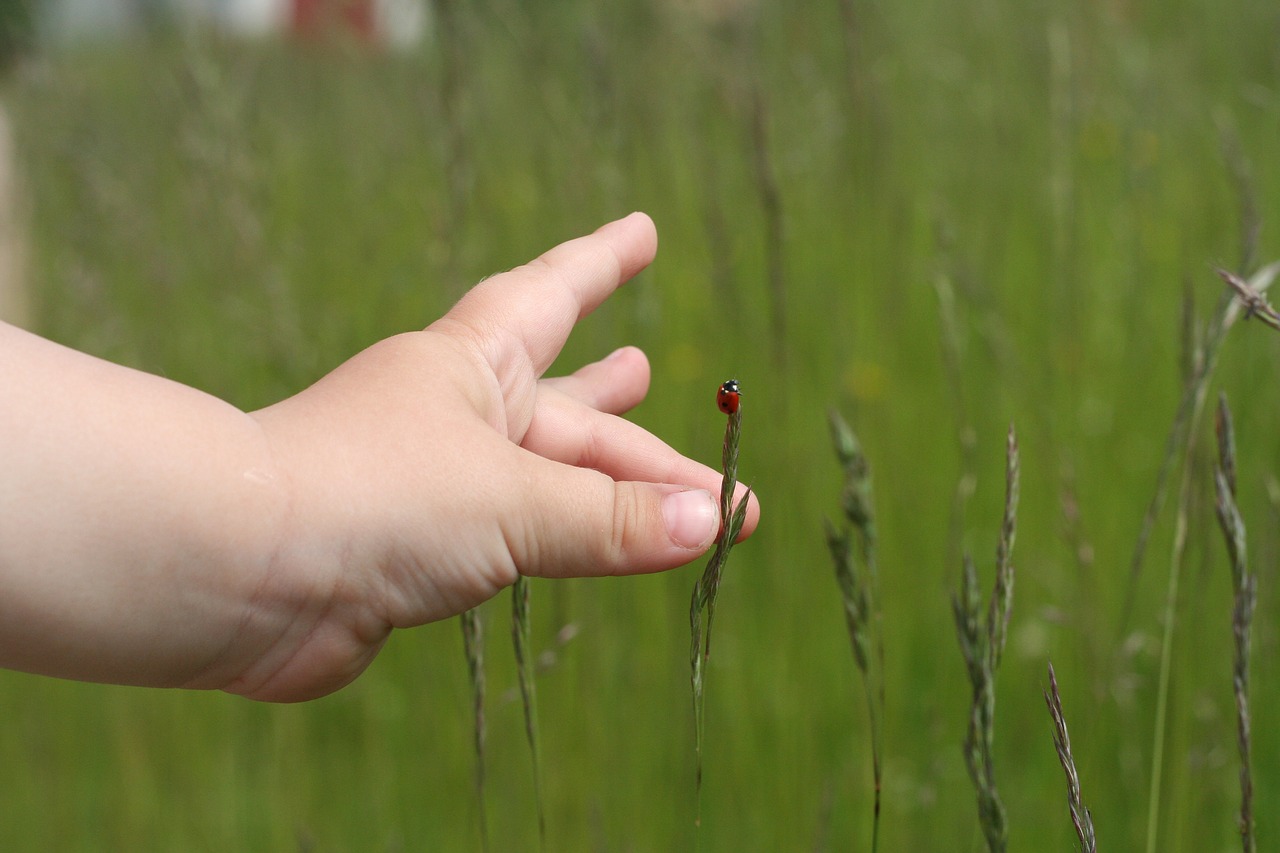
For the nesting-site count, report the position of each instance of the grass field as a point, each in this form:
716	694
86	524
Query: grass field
938	218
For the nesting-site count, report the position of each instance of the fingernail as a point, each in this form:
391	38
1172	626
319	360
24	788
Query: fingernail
611	356
691	518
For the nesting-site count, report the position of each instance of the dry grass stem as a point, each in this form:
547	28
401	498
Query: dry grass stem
703	604
982	643
1245	588
1081	819
1188	417
473	648
856	575
521	637
1180	445
1255	304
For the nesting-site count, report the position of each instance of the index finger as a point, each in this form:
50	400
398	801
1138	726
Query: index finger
525	315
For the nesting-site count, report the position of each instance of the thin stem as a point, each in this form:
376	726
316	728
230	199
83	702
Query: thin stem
703	600
982	643
1182	435
857	579
521	638
1081	819
1245	589
473	648
1166	656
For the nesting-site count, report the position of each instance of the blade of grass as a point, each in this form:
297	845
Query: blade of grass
1166	641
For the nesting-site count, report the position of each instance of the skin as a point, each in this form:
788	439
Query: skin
152	534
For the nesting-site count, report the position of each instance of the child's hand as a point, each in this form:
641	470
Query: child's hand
152	534
428	471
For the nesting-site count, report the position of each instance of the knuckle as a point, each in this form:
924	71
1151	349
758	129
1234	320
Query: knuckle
627	530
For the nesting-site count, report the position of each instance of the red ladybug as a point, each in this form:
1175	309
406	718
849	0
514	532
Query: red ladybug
727	397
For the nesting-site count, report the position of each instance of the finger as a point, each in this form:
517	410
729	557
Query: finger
564	430
580	523
615	384
522	318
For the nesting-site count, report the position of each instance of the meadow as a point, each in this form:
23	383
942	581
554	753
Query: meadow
938	219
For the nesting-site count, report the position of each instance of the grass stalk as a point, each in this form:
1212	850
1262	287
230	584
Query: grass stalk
982	642
770	194
1081	819
473	648
857	576
454	97
1244	585
1166	649
707	587
1190	407
1255	303
1243	174
952	349
764	174
1180	444
522	640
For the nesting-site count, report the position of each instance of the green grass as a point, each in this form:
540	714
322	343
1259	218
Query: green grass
244	217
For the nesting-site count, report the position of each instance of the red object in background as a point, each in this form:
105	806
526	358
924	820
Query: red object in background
324	19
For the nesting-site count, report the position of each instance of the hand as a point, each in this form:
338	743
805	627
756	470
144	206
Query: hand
153	534
430	470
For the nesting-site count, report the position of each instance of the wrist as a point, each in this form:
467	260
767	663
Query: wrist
308	626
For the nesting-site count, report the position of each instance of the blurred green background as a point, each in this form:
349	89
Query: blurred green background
937	217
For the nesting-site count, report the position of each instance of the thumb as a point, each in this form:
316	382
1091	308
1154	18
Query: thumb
578	522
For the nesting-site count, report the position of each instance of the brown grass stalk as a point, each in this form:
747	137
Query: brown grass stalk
473	648
1179	447
1178	443
521	638
1081	819
1244	585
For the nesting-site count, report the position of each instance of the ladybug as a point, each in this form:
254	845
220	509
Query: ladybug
727	397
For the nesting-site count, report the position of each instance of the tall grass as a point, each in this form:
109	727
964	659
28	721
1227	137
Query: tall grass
1081	818
242	217
982	642
702	606
473	650
521	636
1180	445
1245	588
856	575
